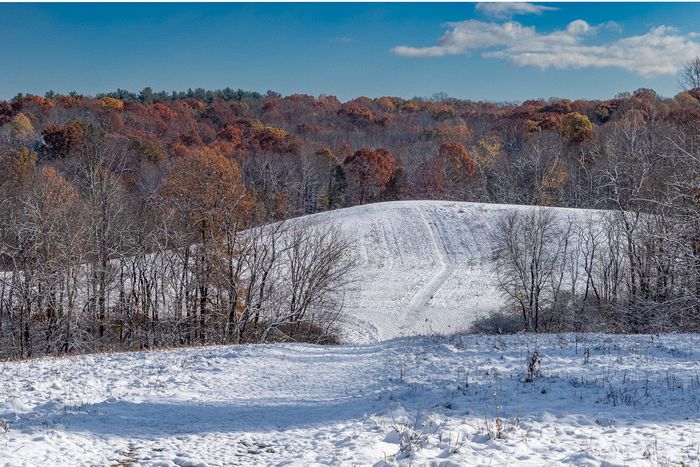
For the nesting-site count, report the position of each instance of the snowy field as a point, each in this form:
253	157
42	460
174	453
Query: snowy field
424	266
390	396
598	401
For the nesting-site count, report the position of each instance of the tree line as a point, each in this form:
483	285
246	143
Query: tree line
632	268
88	265
140	219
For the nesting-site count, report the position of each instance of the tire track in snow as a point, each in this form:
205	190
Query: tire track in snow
442	247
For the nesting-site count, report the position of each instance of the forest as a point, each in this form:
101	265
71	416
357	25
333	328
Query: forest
139	220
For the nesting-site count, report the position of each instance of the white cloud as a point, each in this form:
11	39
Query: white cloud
579	26
507	10
661	51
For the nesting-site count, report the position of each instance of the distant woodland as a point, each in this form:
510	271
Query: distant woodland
132	220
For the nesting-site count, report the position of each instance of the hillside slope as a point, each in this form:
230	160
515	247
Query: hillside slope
424	266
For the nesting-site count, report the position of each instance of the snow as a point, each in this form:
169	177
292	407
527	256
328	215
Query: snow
599	401
396	394
423	266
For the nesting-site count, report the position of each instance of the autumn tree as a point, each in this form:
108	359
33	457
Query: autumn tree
112	103
16	167
144	253
369	171
21	127
232	134
576	127
447	171
268	138
54	212
205	190
59	140
357	113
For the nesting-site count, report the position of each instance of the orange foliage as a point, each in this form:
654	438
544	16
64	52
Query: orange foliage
177	150
356	113
205	187
443	111
35	103
268	138
231	133
409	107
112	103
371	170
449	132
54	191
447	171
164	112
385	103
61	140
70	101
550	122
223	147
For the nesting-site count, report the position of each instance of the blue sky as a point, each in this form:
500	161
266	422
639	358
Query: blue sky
503	53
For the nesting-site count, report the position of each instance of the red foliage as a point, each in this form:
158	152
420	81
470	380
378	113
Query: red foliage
231	133
34	104
164	112
304	129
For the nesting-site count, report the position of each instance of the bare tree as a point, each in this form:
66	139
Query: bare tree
101	161
690	75
317	264
529	248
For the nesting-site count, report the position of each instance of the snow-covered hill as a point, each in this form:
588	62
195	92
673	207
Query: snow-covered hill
423	265
593	400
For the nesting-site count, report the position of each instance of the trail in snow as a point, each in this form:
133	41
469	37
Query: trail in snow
600	401
419	303
418	261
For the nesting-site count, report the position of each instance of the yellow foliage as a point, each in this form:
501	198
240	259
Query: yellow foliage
112	103
21	126
487	151
270	132
15	166
685	99
576	127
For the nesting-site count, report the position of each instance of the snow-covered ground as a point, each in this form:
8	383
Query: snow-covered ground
399	396
599	401
424	266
